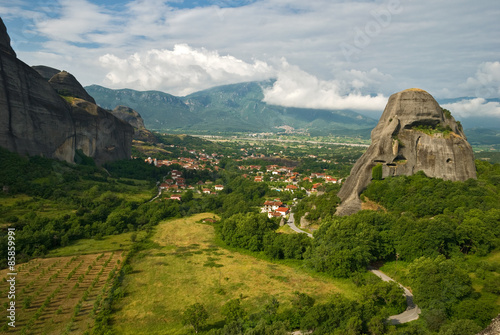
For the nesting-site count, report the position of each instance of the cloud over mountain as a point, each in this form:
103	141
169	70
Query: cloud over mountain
475	108
180	71
297	88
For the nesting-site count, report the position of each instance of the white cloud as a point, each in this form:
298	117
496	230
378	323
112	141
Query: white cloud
180	71
426	44
297	88
474	108
486	82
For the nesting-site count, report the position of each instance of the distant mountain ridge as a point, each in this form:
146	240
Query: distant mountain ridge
229	108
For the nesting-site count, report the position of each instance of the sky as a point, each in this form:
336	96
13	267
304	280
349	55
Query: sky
334	54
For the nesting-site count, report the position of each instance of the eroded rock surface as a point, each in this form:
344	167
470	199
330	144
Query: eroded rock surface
36	120
413	134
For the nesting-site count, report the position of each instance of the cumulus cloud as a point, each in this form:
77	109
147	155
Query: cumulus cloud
486	81
474	108
180	71
297	88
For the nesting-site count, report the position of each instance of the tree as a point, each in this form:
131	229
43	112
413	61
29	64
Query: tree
377	172
233	311
438	283
460	327
196	316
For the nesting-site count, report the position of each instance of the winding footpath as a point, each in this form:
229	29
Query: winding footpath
412	311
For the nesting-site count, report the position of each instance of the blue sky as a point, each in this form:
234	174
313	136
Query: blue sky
324	53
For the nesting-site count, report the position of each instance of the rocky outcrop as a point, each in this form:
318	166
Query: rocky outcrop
46	72
493	328
66	84
99	134
413	134
133	118
5	41
36	120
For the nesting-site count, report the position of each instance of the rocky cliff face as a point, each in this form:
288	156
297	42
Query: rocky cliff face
493	328
99	134
45	71
30	110
413	134
35	120
133	118
66	84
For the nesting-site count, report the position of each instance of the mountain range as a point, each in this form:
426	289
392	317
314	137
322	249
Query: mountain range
230	108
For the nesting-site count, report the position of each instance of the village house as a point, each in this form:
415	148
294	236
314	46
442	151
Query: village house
175	197
283	211
219	187
176	174
270	206
207	191
330	179
291	188
273	215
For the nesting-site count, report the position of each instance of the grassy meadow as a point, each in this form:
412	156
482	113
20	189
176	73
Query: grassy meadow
186	266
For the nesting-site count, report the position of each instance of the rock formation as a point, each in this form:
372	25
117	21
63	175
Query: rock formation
36	120
66	84
99	134
133	118
413	134
493	328
30	110
46	72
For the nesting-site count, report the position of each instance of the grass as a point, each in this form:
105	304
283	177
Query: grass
20	204
186	266
91	246
285	229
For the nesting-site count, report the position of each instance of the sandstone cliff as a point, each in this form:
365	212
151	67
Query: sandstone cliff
36	120
413	134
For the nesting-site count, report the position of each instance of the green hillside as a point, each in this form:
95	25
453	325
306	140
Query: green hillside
230	108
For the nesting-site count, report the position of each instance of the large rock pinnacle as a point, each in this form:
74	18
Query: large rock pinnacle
413	134
36	120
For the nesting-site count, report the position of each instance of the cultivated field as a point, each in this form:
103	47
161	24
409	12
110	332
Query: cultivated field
186	266
60	295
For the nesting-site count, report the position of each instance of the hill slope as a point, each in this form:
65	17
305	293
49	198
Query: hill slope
236	107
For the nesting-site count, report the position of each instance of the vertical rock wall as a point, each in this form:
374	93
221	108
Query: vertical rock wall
413	134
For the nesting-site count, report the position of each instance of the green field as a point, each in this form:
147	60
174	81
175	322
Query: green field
186	266
91	246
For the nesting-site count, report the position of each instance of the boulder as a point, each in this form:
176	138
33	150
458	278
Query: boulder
413	134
